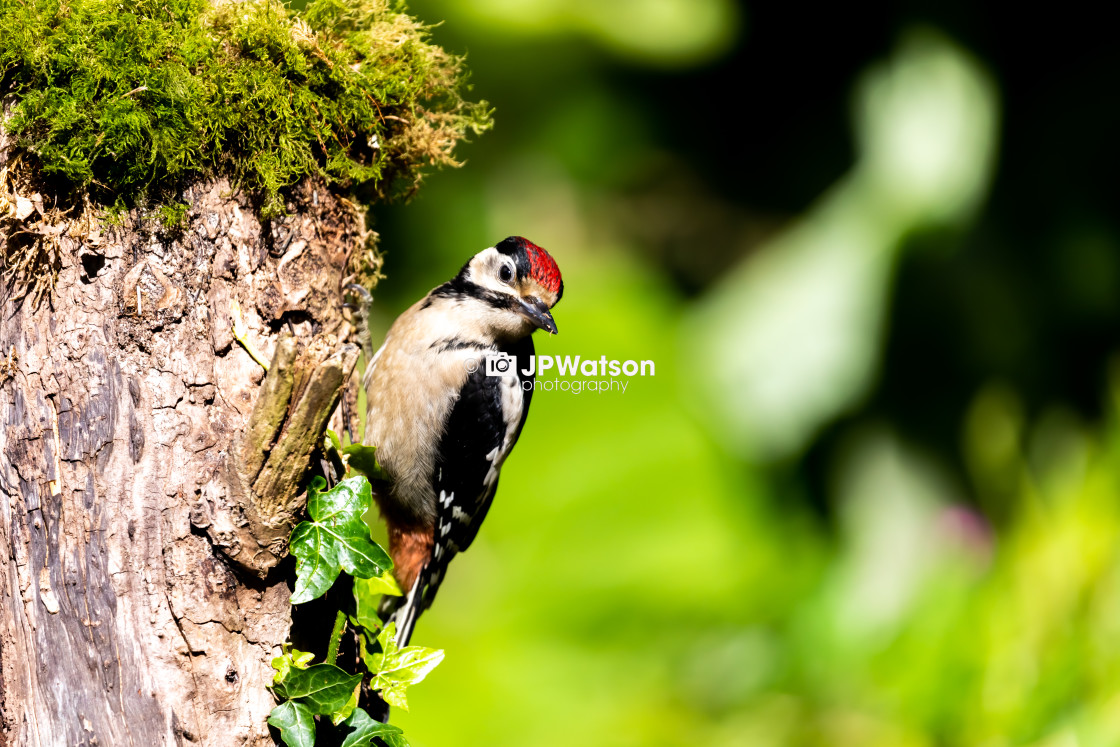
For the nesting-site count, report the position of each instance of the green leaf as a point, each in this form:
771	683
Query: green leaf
295	722
291	657
367	651
348	708
324	688
363	459
365	729
367	594
333	437
395	669
336	538
385	584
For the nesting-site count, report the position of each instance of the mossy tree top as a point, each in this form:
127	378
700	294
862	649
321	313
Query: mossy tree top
129	100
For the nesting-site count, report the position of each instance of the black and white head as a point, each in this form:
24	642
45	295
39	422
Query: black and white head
517	283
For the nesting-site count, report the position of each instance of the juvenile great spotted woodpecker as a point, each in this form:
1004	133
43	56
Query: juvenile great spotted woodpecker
448	395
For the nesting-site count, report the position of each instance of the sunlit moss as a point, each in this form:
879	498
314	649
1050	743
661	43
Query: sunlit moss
128	100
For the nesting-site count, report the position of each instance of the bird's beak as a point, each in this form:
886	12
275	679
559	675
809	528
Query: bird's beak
537	312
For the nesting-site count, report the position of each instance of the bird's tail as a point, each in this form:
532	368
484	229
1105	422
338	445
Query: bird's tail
405	610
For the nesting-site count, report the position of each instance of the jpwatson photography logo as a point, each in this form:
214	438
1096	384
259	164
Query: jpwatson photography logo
602	375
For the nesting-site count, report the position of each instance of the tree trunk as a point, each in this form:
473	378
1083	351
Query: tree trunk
151	471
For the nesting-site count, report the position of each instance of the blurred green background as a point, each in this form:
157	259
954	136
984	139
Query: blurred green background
871	495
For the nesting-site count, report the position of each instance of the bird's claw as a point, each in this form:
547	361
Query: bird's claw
365	297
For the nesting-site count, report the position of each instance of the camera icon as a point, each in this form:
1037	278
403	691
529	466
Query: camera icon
500	364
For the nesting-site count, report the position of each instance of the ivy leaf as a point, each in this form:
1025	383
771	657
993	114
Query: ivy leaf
336	538
367	594
386	584
290	658
395	669
348	707
324	688
365	729
295	722
363	459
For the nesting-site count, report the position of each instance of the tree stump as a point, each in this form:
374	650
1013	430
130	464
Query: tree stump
151	470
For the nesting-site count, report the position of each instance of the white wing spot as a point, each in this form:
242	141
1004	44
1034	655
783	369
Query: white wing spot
445	498
460	514
438	552
444	529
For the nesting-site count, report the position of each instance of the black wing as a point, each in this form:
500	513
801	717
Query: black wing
480	433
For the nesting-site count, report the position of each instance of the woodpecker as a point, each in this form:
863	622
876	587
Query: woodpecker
448	395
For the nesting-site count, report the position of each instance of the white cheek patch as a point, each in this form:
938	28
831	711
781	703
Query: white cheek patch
484	268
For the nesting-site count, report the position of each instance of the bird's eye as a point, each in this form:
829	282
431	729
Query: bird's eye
505	274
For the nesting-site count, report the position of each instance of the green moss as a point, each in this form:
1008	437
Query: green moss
127	100
173	215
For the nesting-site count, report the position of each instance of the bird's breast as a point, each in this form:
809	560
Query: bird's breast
410	392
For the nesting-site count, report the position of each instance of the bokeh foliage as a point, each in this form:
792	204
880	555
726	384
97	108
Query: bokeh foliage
128	100
932	560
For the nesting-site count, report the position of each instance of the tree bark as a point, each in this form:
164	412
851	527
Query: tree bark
151	472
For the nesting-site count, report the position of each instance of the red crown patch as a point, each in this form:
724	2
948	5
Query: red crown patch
543	267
